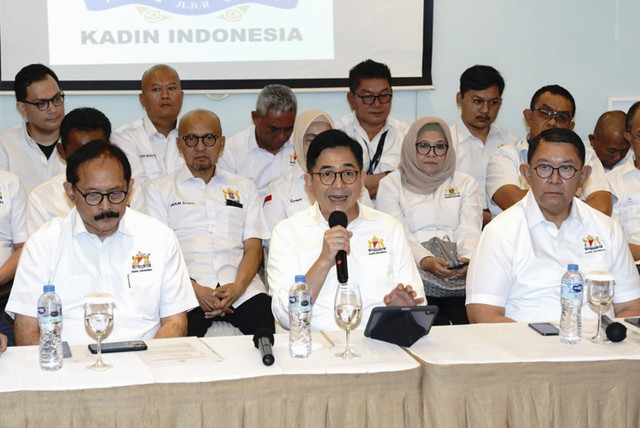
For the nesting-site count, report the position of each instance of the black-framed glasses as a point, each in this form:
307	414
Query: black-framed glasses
562	117
95	198
371	99
478	102
425	148
327	178
564	171
42	105
208	140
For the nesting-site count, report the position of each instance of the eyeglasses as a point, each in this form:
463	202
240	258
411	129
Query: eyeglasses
562	117
95	198
565	171
425	148
208	140
329	177
370	99
478	102
42	105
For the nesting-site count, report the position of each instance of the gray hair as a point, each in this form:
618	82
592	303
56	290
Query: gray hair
276	97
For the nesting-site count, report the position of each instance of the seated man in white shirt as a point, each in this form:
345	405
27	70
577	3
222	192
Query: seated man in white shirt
517	267
475	136
150	142
28	149
551	106
102	246
49	200
608	140
264	151
379	258
380	136
218	220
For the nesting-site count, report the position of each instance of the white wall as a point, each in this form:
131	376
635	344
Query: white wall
588	46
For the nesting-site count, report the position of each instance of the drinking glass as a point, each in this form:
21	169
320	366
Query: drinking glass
98	318
348	310
600	290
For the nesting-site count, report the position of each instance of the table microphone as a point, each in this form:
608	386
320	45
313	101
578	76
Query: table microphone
338	218
616	332
263	339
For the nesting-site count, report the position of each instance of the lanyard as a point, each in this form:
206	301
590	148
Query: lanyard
376	157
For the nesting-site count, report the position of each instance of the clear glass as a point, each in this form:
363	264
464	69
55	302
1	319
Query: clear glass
348	310
600	296
98	318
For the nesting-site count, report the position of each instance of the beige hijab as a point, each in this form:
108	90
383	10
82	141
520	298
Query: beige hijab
303	122
414	178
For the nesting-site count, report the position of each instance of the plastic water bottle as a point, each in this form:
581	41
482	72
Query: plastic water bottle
572	292
50	322
300	318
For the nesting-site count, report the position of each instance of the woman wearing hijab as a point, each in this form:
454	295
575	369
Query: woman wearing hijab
433	200
288	194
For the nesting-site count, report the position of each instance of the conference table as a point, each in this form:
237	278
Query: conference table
501	375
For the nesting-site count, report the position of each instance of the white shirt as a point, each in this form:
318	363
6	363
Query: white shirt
504	168
396	131
243	157
141	265
212	221
472	155
150	153
625	187
453	209
21	155
521	258
289	194
49	200
622	161
13	201
380	258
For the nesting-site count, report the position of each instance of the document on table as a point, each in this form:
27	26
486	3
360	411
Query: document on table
178	351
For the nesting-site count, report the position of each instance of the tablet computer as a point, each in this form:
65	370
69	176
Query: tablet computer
401	325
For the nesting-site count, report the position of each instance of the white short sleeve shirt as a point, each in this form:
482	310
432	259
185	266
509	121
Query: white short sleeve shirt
625	187
13	201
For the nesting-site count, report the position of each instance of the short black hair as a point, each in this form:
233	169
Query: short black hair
330	139
93	150
557	135
479	78
630	114
555	90
84	119
368	69
29	74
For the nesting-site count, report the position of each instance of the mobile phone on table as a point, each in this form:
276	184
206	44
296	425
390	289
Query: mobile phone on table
545	328
131	345
635	321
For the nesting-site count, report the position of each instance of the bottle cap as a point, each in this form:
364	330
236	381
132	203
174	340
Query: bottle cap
572	267
49	288
301	278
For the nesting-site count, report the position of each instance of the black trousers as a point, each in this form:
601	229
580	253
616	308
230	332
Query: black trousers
451	310
253	314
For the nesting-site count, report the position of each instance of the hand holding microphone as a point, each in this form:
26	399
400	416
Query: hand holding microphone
338	218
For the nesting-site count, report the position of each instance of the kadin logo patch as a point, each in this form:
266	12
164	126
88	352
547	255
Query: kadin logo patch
292	159
376	246
141	262
232	198
592	244
1	200
451	192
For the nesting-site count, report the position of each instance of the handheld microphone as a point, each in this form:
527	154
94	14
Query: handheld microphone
616	332
263	339
338	218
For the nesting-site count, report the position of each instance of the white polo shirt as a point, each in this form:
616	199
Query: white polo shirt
211	221
13	201
49	200
504	168
395	129
289	194
521	258
625	187
453	209
21	155
472	155
243	157
380	258
150	153
141	265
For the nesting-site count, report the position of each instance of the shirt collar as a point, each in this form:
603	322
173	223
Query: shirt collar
534	215
464	133
184	174
150	129
78	226
387	126
317	217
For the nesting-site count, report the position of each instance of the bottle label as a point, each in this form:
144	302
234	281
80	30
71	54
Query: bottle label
572	290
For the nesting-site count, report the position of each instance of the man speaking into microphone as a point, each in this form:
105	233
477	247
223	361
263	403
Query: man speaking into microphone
379	258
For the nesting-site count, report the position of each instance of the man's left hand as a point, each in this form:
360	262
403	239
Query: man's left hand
403	296
228	294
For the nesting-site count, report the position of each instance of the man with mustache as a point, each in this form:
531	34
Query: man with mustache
475	136
102	246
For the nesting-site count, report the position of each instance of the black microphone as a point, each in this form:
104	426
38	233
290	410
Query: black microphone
616	332
338	218
263	339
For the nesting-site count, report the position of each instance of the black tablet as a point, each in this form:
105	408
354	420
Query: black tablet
401	325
